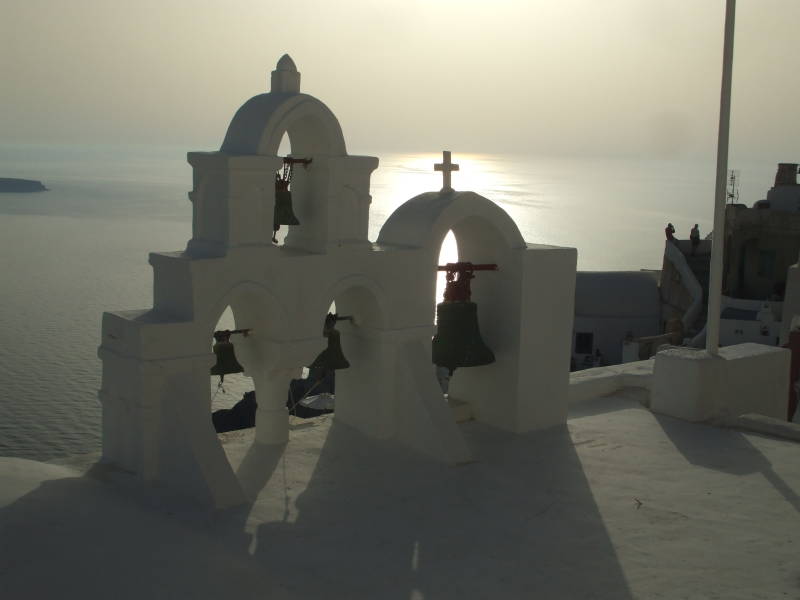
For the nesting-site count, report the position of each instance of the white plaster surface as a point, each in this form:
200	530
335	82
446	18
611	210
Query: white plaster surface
620	504
589	384
155	392
766	425
747	378
791	301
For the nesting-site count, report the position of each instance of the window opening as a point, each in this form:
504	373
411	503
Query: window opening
584	343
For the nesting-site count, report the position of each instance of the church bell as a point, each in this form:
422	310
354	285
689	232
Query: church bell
226	359
458	341
283	213
332	358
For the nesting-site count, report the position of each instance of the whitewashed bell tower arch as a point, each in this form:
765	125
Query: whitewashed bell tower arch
330	195
156	361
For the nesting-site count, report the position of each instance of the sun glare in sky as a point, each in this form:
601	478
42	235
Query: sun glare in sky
568	77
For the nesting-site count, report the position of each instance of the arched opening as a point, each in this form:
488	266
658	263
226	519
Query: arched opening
313	393
312	129
358	340
478	241
285	146
448	253
232	461
289	192
232	391
254	353
314	137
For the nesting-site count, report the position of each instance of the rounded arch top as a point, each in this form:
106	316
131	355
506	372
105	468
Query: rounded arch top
254	305
424	220
361	295
258	126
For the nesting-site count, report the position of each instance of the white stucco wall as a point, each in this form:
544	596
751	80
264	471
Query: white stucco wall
610	305
609	333
747	378
155	392
791	301
589	384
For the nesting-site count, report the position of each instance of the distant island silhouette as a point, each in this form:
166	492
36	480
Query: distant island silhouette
11	185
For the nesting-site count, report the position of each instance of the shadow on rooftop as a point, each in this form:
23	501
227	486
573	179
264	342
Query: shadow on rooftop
723	450
77	537
374	522
624	399
257	467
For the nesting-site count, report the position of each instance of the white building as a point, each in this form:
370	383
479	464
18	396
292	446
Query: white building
610	305
156	361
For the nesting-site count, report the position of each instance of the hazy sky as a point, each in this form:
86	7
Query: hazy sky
602	77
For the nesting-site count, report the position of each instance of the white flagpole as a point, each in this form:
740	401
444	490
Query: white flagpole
718	242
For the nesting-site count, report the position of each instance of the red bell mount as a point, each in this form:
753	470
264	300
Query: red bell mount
224	335
458	277
283	179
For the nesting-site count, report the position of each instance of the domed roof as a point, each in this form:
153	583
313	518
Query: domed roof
426	218
259	124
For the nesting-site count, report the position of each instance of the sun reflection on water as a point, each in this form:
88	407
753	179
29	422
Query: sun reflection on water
504	180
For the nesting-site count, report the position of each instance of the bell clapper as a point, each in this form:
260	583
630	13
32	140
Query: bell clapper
283	213
458	342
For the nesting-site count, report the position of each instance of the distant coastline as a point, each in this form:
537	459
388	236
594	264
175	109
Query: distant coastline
11	185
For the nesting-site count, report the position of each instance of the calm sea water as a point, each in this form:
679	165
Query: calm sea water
69	254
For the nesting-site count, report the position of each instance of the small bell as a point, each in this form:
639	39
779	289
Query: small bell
283	213
226	359
332	358
458	341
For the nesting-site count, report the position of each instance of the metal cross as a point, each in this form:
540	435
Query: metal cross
446	167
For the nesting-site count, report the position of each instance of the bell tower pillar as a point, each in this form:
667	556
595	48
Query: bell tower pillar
233	199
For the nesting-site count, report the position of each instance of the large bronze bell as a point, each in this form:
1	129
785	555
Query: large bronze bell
226	359
332	358
458	341
283	213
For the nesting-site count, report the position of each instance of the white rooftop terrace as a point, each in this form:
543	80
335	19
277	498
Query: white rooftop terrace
621	503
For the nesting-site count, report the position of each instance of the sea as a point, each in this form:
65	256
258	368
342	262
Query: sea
81	248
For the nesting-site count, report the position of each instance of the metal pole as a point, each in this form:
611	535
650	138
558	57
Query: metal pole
718	240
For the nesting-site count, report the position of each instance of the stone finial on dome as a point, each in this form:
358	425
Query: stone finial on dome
286	64
285	78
